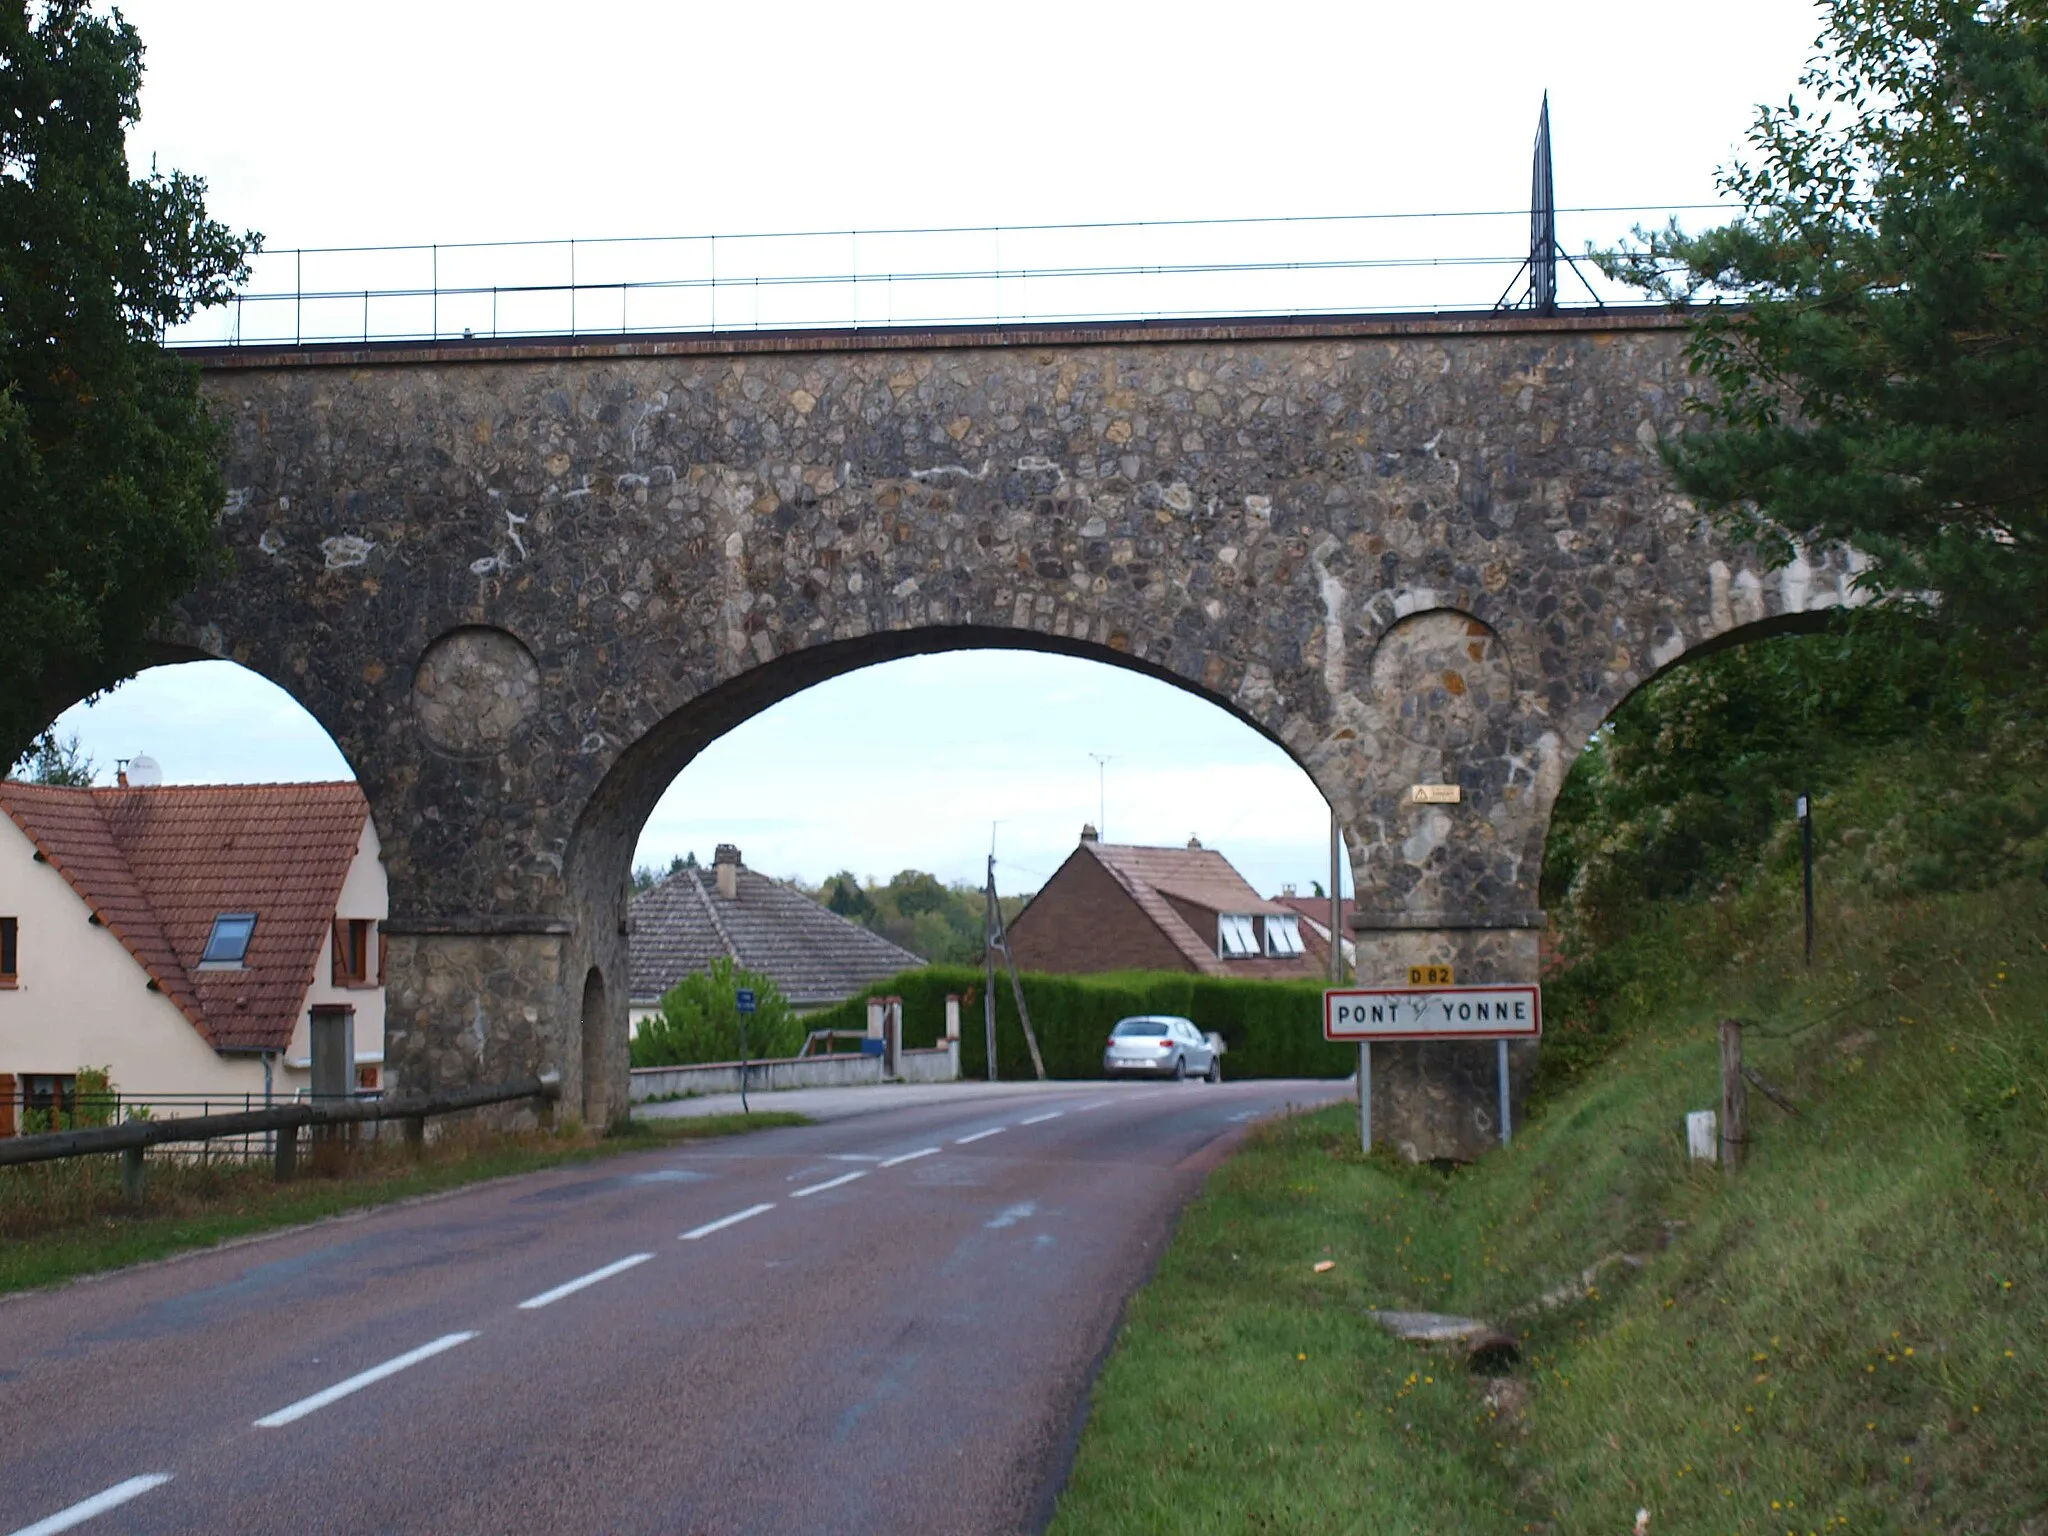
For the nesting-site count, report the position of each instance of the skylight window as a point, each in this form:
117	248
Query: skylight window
1235	936
229	941
1283	936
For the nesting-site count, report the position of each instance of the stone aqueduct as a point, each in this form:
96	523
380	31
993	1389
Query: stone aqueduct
523	584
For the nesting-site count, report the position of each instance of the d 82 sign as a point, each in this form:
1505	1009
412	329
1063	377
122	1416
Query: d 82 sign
1433	1013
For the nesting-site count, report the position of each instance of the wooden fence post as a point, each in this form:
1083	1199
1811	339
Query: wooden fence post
1734	1096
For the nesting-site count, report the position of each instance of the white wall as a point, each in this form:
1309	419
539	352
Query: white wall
363	894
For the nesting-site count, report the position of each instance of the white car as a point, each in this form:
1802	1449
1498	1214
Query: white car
1162	1045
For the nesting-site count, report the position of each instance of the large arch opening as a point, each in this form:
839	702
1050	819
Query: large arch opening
1680	823
1673	734
195	828
911	756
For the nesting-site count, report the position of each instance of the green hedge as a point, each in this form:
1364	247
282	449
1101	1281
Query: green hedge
1272	1028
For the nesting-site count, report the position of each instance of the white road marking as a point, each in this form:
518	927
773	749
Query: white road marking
910	1157
1041	1119
373	1375
1012	1215
1082	1109
844	1178
97	1505
853	1157
723	1222
535	1303
980	1136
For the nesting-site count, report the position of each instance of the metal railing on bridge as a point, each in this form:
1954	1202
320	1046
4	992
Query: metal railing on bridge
1382	263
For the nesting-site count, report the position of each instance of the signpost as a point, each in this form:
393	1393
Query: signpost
744	1000
1425	1012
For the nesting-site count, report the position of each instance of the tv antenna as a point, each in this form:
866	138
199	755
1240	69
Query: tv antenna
1541	264
1102	762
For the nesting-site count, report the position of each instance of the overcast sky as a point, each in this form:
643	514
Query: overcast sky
376	123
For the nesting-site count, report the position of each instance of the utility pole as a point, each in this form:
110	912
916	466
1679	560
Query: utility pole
1102	761
999	940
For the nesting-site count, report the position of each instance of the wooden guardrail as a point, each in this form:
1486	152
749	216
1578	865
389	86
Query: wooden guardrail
132	1137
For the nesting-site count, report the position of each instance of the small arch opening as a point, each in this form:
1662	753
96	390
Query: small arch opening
597	1107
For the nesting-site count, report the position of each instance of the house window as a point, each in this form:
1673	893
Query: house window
1235	937
352	939
1283	936
49	1092
10	951
229	941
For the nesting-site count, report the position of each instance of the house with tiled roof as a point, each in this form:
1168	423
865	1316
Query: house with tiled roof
814	955
1314	912
181	936
1125	907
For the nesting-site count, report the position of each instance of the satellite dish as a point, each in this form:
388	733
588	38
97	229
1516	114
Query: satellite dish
145	772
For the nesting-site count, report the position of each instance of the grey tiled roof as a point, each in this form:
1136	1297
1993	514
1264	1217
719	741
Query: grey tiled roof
815	955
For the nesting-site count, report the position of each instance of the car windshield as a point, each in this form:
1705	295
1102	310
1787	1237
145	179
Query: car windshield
1145	1027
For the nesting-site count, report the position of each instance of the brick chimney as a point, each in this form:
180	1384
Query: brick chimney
1088	833
726	862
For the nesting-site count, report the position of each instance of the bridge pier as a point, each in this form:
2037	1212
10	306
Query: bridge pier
1439	1100
484	999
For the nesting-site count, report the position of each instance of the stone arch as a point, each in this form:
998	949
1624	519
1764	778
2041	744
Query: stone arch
597	868
1810	621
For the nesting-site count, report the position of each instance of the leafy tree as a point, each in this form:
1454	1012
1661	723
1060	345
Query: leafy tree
700	1020
109	462
51	761
913	892
1887	383
1696	774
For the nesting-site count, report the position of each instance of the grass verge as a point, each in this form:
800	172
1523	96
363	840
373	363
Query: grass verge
61	1220
1852	1334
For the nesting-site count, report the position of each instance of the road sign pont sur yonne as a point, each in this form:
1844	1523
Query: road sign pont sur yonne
1433	1013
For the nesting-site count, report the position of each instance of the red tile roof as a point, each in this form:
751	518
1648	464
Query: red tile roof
157	866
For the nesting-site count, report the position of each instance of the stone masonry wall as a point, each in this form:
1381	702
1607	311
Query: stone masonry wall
523	585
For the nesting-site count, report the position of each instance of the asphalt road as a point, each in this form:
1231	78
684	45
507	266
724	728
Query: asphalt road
882	1323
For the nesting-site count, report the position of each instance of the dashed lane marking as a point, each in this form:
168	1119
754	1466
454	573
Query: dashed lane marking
354	1384
98	1504
570	1288
844	1178
910	1157
980	1136
723	1222
1041	1119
